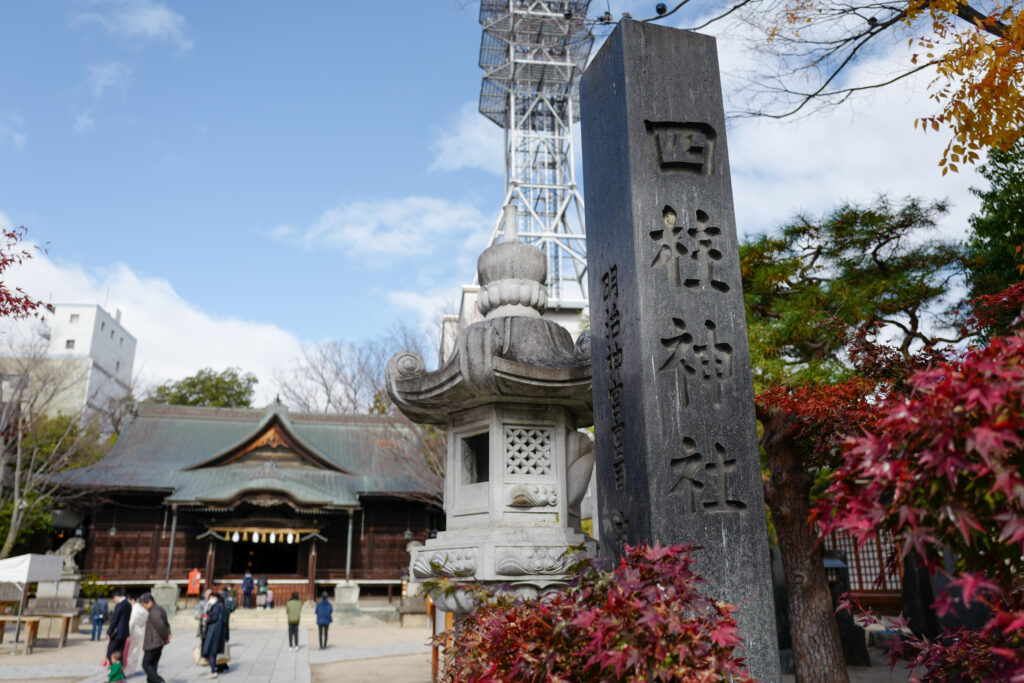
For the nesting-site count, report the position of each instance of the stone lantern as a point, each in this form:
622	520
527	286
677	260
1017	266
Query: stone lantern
512	396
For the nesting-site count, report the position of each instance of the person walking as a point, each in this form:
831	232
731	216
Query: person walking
216	637
293	609
158	634
201	609
97	615
248	583
136	632
118	630
227	599
323	618
270	598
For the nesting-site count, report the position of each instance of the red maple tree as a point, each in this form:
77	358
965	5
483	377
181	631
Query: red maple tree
942	467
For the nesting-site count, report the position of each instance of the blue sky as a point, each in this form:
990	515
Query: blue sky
241	178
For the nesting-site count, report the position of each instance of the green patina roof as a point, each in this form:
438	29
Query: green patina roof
185	453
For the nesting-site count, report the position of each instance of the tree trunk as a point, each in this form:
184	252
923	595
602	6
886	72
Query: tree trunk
12	532
817	650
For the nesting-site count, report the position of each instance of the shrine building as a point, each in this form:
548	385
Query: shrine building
307	500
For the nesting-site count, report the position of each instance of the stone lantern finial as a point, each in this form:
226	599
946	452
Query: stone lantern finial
512	275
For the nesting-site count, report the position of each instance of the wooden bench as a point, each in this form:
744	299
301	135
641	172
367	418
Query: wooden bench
66	619
31	628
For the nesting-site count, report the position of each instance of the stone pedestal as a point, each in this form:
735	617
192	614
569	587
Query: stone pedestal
57	596
346	595
166	595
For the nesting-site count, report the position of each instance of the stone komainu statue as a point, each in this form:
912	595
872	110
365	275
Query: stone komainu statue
68	550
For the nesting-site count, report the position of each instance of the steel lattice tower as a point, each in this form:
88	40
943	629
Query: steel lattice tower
533	53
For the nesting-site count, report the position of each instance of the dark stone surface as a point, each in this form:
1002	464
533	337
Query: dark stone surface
677	454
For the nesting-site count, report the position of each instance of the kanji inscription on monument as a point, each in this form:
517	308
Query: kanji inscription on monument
676	439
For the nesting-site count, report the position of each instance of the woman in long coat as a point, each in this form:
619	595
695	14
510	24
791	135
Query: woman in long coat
136	634
216	635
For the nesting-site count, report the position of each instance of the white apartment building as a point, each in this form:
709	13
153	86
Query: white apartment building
101	349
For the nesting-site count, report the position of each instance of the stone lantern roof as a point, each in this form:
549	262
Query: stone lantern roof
513	355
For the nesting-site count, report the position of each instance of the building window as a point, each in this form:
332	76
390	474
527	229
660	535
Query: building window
103	326
74	317
69	344
122	341
111	334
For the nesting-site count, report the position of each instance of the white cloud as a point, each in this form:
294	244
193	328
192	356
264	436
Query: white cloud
391	230
143	19
175	338
470	141
11	131
83	121
428	305
108	75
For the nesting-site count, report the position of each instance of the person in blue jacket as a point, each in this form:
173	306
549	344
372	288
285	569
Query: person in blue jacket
97	615
323	618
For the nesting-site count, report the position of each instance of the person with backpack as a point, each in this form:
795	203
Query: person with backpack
293	609
248	582
97	615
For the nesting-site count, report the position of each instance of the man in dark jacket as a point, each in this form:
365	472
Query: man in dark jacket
216	636
248	583
158	634
118	629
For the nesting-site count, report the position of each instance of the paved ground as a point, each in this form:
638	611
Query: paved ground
361	649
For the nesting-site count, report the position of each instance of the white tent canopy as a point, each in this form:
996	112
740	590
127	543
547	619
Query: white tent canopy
31	567
24	569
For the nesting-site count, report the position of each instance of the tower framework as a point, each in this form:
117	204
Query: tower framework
533	53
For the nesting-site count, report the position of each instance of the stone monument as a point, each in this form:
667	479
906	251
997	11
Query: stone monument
58	597
677	452
511	396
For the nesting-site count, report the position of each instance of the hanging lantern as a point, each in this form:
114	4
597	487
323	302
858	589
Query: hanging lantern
255	537
291	537
235	537
273	537
245	535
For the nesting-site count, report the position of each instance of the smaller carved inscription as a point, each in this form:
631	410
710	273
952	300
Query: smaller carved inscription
683	146
620	524
613	362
